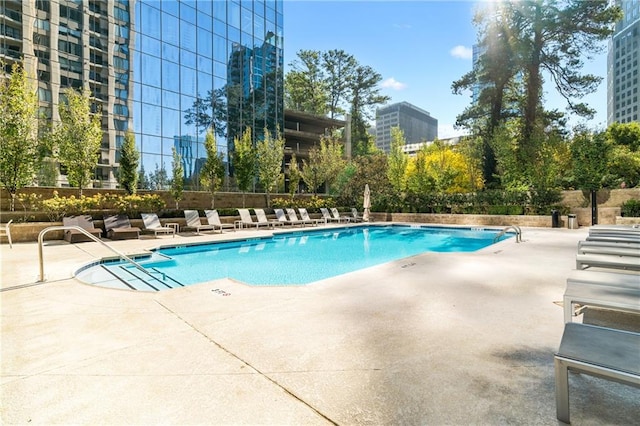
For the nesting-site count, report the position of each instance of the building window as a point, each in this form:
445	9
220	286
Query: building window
44	95
42	24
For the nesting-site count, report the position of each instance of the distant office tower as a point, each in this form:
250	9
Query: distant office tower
477	51
416	123
167	70
622	69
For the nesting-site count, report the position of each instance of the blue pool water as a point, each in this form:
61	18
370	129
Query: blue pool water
302	257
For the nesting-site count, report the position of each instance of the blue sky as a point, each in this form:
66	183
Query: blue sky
419	48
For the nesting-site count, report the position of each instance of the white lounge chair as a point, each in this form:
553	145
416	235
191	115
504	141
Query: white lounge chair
293	217
304	214
356	216
152	223
607	261
193	221
213	218
336	214
282	218
262	217
327	216
603	352
247	220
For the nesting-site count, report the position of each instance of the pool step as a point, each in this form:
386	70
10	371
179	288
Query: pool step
122	277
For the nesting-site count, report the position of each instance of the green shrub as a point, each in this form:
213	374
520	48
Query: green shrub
631	208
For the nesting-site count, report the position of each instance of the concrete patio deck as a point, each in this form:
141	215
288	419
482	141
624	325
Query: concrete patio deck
438	338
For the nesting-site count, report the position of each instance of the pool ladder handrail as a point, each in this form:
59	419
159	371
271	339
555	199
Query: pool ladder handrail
93	238
517	230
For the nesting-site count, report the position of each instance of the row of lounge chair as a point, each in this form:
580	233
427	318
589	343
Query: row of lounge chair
118	227
607	276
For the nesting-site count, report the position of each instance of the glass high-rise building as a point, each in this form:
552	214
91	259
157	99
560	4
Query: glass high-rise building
623	68
167	70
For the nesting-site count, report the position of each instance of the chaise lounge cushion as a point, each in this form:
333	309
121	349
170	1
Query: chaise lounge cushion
83	221
119	227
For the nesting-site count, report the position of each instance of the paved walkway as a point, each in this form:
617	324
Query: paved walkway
439	338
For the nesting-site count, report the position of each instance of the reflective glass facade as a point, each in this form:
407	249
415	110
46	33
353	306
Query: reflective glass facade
168	70
623	99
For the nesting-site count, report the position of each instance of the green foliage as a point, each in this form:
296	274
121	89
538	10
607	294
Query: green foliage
269	155
590	154
627	134
294	175
305	86
397	161
212	172
631	208
58	207
311	171
177	183
312	204
325	164
244	162
78	137
129	161
18	131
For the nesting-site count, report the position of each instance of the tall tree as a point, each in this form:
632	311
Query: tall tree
494	75
78	137
365	96
212	172
339	69
177	183
18	130
269	154
209	112
555	37
244	162
305	87
398	161
129	161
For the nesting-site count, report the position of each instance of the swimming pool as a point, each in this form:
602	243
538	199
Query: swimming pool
287	258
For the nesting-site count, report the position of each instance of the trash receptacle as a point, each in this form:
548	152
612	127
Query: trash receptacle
572	221
555	219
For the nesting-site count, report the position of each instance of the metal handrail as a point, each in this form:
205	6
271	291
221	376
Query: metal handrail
92	237
504	231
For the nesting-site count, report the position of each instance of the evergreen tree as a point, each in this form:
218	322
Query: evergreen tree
129	160
177	183
212	173
269	155
244	162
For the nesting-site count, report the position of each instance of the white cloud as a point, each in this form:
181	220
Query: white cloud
461	52
392	83
402	26
447	130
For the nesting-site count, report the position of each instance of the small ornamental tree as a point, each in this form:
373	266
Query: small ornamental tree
294	175
78	137
212	172
398	161
244	162
18	132
129	159
590	155
177	183
312	170
269	154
